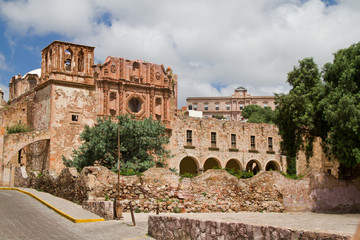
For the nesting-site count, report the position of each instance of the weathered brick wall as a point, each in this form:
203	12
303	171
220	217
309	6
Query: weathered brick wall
69	101
201	141
14	113
318	162
41	113
213	191
177	228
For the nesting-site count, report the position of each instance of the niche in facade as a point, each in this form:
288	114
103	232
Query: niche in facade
112	103
158	107
81	61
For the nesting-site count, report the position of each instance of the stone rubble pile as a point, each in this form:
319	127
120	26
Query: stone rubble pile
213	191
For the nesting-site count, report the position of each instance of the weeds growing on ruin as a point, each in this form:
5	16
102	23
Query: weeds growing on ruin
239	173
18	128
292	176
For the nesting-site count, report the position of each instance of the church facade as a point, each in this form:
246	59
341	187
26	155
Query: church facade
71	92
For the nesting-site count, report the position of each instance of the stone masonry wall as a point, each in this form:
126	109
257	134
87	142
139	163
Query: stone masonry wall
200	150
166	227
213	191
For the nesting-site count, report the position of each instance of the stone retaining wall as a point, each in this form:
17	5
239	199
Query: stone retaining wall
165	227
213	191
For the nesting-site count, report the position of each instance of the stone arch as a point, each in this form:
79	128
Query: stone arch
68	60
253	166
188	165
233	164
272	166
15	142
211	163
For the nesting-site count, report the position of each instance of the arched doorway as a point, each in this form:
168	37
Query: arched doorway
253	166
188	165
272	166
211	163
233	165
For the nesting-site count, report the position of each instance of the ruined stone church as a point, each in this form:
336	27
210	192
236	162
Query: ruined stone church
71	91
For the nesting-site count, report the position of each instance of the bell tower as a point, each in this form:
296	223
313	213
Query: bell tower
62	61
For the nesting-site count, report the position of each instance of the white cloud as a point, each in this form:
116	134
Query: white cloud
207	43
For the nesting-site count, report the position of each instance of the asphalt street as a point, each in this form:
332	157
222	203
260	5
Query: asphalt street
22	217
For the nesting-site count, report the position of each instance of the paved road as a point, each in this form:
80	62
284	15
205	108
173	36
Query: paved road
22	217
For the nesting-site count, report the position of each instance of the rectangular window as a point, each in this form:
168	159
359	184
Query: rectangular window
74	117
265	105
206	107
241	107
195	107
270	143
227	106
252	142
189	137
217	107
233	140
213	139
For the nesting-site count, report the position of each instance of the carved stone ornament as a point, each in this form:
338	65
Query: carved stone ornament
113	68
158	75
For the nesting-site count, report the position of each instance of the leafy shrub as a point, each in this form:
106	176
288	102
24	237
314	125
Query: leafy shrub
292	176
176	210
219	117
239	173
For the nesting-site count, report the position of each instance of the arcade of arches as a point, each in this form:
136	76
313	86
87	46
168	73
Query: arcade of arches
190	165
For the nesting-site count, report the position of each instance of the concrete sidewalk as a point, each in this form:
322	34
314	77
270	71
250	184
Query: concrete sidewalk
66	208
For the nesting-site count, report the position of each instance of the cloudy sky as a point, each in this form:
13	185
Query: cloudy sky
214	46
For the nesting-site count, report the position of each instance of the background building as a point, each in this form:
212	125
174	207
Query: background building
229	107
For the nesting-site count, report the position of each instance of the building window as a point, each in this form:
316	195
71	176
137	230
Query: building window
213	139
74	117
195	107
189	137
241	107
329	171
265	105
227	106
270	143
134	105
206	107
233	140
252	141
190	107
217	107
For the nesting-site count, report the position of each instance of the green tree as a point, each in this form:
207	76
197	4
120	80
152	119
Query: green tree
328	109
256	114
342	105
142	144
297	114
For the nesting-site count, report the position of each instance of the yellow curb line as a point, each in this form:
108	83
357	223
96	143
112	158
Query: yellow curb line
74	220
